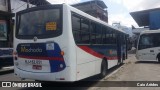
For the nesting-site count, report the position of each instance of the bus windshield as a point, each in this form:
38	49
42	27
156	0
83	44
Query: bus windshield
40	23
149	41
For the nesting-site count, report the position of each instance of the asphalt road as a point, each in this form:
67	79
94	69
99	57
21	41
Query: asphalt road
131	70
134	70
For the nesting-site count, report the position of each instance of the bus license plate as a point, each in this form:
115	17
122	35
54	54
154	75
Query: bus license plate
33	62
37	67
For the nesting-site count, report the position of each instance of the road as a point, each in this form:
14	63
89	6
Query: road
134	70
131	70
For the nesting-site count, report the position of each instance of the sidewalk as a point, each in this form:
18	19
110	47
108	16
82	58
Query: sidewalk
132	51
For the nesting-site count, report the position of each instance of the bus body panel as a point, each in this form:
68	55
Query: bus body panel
46	68
89	61
60	76
86	64
92	59
69	42
151	49
77	62
69	55
147	55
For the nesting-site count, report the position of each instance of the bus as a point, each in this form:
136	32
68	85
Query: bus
6	38
148	47
62	43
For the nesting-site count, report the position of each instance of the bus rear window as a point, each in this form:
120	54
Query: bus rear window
40	23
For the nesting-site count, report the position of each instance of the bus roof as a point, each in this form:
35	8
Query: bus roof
150	31
92	18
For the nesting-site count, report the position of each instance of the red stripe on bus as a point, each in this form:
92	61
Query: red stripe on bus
94	53
42	58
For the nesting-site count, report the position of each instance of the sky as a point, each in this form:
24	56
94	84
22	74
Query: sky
118	10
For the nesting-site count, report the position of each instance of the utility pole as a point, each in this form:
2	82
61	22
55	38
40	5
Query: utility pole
9	5
27	4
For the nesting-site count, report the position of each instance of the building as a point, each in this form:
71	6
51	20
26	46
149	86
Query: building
5	23
148	18
7	10
96	8
6	35
18	5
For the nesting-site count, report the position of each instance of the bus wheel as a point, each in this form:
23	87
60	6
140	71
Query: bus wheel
122	60
104	68
119	61
158	58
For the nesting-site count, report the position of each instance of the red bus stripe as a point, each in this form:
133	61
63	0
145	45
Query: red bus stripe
90	51
94	53
42	58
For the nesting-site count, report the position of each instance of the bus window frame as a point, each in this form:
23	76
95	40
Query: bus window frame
48	7
109	30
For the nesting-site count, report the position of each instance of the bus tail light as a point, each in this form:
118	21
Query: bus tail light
62	53
15	55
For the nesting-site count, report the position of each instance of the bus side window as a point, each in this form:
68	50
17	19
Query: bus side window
85	34
114	37
80	28
76	29
104	30
98	34
156	40
75	23
93	32
108	36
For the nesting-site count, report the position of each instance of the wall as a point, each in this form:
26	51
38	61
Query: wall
3	5
18	5
154	20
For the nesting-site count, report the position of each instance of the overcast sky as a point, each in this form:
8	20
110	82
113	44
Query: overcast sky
118	10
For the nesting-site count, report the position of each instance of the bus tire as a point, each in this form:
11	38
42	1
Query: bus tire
122	61
104	68
158	57
123	58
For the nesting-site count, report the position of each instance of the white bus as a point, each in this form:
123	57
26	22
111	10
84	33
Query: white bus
62	43
148	47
